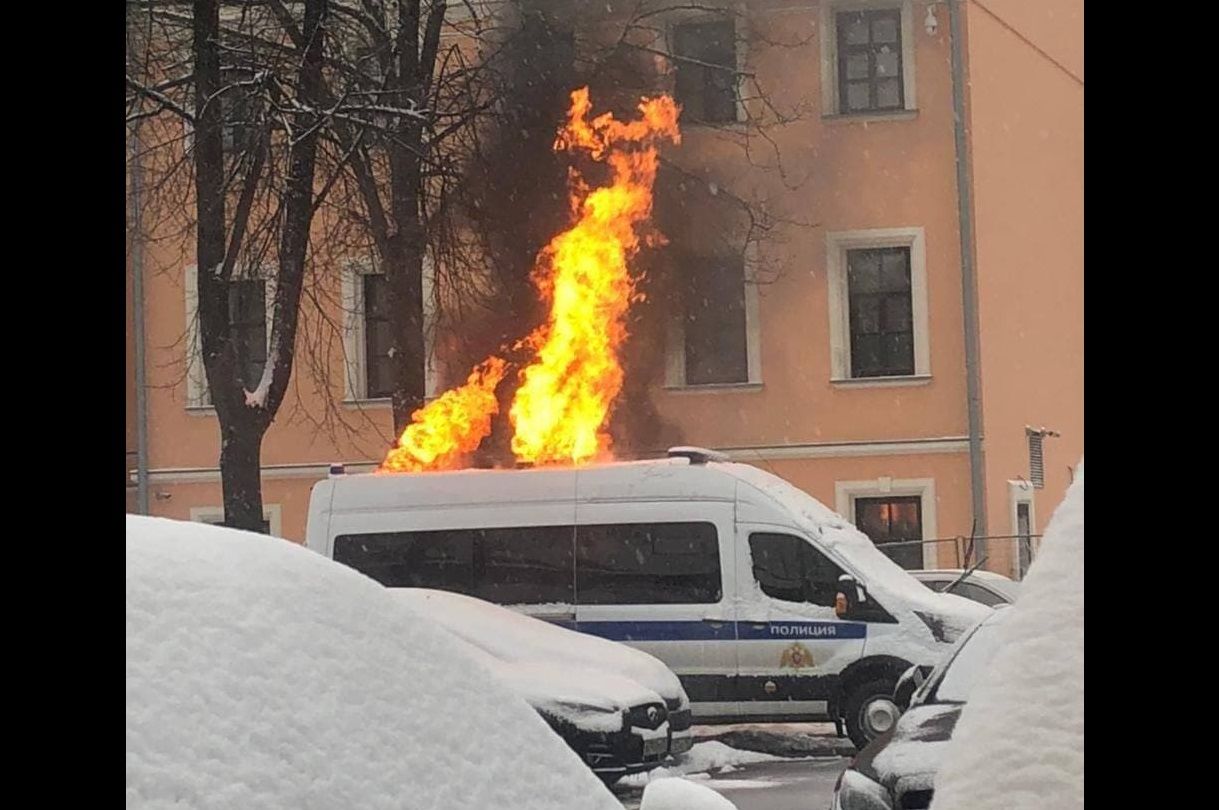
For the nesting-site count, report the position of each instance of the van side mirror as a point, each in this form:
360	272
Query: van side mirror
851	595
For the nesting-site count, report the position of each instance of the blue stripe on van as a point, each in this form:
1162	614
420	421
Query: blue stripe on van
719	631
659	631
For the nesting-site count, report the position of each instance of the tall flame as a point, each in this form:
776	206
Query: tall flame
446	429
561	408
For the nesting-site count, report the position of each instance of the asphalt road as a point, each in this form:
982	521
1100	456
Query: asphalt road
787	785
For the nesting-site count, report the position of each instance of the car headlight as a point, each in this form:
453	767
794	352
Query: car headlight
858	792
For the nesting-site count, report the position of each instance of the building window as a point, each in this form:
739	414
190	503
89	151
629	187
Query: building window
249	294
714	329
895	525
867	57
880	312
878	306
248	324
367	340
238	112
1021	495
706	71
378	339
1024	535
870	60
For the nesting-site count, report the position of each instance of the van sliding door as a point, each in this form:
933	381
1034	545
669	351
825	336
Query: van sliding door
659	577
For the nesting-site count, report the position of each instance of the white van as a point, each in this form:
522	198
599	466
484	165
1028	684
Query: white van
766	604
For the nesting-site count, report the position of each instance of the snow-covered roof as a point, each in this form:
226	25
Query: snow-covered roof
1019	742
260	674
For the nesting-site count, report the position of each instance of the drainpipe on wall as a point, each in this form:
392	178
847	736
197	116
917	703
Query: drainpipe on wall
969	281
137	294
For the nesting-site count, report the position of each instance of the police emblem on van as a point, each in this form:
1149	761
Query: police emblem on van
796	656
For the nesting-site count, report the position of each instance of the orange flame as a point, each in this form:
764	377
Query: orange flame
449	427
563	403
564	399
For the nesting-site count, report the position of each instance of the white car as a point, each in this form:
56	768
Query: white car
986	587
620	709
260	674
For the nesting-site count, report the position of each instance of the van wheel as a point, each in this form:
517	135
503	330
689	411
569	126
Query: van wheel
869	710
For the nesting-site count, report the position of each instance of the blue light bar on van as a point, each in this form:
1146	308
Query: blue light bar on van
337	469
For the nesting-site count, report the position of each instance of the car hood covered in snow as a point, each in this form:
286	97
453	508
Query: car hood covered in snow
547	662
1020	741
907	757
260	674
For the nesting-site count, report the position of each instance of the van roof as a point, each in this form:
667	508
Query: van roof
657	479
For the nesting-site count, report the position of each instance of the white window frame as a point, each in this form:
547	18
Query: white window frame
846	493
355	377
837	245
1020	491
198	398
675	339
740	48
831	103
271	512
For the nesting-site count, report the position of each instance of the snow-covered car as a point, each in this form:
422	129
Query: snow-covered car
897	769
1019	744
619	708
987	587
260	674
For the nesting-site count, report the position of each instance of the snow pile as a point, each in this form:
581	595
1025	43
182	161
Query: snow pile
701	758
1020	740
678	794
909	757
262	675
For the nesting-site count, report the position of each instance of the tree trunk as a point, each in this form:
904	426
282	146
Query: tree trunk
404	278
241	477
244	419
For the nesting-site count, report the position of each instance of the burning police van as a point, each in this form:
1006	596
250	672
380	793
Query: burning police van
765	603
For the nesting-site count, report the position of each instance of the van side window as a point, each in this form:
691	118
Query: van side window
528	565
647	564
789	568
441	560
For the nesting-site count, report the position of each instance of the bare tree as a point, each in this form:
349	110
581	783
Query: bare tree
253	202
